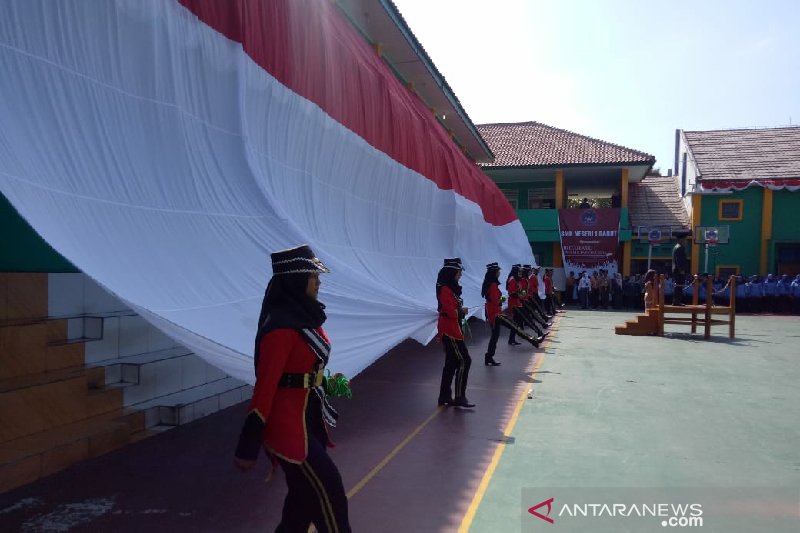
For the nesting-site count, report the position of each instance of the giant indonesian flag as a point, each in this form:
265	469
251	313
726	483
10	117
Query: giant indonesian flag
589	239
167	147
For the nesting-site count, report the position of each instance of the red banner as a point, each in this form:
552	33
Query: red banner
589	239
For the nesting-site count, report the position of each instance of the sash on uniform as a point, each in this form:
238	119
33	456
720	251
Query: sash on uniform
322	350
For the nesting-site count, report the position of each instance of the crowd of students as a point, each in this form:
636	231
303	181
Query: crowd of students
768	294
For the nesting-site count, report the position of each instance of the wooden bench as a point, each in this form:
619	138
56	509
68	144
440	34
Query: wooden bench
694	315
697	314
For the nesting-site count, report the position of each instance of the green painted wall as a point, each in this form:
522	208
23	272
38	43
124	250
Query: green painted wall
744	248
22	249
745	236
785	222
786	216
543	252
541	225
522	190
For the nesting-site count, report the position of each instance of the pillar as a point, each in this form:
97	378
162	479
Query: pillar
624	188
697	206
560	190
766	230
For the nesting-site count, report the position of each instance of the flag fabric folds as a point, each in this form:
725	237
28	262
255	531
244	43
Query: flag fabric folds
166	148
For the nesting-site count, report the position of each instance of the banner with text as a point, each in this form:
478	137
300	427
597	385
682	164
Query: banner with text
589	239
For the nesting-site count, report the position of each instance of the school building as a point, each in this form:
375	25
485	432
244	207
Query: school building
740	187
541	169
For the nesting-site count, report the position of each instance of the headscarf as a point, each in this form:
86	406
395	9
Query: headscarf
489	279
447	278
286	305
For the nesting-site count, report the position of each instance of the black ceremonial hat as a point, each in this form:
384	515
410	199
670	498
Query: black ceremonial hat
454	262
298	260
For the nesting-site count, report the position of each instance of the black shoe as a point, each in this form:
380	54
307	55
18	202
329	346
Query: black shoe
514	343
447	402
463	403
549	324
535	341
491	362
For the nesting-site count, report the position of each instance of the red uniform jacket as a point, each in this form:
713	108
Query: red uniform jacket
533	286
493	295
513	293
523	286
548	286
448	314
283	410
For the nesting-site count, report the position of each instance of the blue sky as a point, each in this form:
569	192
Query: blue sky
624	71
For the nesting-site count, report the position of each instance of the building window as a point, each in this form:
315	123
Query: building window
542	198
726	271
731	210
512	195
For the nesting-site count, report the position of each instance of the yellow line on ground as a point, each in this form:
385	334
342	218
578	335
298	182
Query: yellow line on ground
391	455
466	522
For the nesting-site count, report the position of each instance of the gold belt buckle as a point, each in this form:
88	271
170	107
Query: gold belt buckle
313	379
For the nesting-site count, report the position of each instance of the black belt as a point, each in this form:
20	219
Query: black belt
301	381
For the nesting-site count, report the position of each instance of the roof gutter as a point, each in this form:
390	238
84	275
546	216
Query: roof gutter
398	20
570	165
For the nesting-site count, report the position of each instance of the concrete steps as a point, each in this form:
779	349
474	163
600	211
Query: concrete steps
54	411
181	385
64	399
190	404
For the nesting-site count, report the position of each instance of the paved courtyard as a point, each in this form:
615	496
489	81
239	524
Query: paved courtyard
675	413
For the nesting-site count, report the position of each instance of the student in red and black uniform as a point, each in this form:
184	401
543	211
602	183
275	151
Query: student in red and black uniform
534	300
289	409
490	290
549	294
532	315
456	357
514	302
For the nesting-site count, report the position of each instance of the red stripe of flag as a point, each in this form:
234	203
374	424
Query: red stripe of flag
311	48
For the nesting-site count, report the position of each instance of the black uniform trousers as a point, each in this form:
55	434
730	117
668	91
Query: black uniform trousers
534	304
501	321
531	318
519	320
680	283
456	364
316	492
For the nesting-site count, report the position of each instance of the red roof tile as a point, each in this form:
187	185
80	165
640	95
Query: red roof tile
536	144
751	154
656	201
